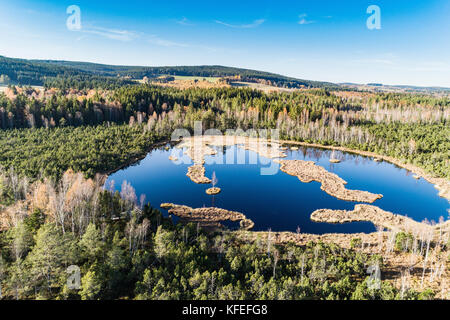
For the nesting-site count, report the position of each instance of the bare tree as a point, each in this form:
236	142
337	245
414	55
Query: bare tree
380	230
142	201
269	241
214	180
276	256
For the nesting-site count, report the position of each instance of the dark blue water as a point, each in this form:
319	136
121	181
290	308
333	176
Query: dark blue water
282	202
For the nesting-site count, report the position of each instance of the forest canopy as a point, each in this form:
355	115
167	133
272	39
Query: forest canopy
35	72
57	143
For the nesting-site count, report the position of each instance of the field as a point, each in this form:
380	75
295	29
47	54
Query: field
189	78
4	87
259	86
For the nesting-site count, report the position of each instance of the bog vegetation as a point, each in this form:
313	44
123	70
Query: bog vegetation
126	250
125	122
54	211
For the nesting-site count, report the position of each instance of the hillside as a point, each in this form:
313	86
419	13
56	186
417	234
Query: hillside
138	72
80	75
36	72
26	72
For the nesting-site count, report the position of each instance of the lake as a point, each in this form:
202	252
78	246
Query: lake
282	202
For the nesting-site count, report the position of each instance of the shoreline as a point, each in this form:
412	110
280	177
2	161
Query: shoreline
207	215
332	184
196	173
377	216
105	175
441	184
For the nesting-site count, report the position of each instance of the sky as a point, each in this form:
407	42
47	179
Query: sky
315	40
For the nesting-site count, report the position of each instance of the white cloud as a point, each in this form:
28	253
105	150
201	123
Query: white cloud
155	40
254	24
113	34
166	43
375	61
303	19
426	66
184	22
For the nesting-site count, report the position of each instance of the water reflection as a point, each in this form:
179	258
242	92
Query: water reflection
281	202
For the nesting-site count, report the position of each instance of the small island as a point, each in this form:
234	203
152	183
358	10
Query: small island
213	190
308	171
207	216
333	158
197	174
378	216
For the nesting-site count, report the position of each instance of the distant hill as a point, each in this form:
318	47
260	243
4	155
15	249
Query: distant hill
27	72
379	87
88	75
138	72
36	72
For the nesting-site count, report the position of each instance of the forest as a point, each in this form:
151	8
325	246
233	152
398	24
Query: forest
128	250
39	72
57	142
110	120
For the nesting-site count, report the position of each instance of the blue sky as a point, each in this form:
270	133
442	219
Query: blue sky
317	40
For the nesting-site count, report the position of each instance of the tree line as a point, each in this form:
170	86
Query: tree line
316	116
125	250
